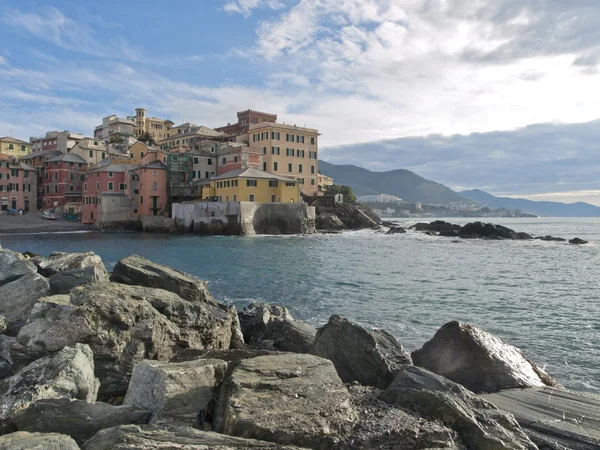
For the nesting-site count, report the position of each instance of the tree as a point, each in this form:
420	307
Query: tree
116	139
346	191
147	138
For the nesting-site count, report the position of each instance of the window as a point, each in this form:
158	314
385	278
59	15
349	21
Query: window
272	183
273	198
312	181
209	163
56	189
235	159
274	150
47	189
11	147
71	188
55	176
141	154
103	155
141	200
234	198
110	174
234	183
98	186
91	154
22	148
300	153
224	161
85	187
196	160
136	191
275	135
251	197
290	167
251	183
71	176
122	186
289	152
111	185
312	155
312	140
264	167
275	166
290	184
46	176
264	150
300	168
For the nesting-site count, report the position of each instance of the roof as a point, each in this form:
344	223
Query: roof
113	167
253	173
44	153
27	167
202	182
14	140
195	131
154	165
68	157
282	126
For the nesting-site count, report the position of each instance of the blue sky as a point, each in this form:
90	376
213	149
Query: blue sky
499	95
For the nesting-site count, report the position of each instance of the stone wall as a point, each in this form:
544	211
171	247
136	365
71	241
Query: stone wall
157	224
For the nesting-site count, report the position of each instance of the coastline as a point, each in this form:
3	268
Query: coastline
34	223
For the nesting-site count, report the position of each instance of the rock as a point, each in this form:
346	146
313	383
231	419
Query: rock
76	418
329	221
438	226
18	297
22	440
13	266
138	271
479	424
155	437
289	399
3	324
127	324
255	317
230	355
291	335
551	238
353	217
578	241
60	262
490	231
478	360
554	419
384	426
67	374
396	230
372	359
175	391
63	282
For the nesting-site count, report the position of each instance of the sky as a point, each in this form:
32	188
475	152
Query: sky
500	95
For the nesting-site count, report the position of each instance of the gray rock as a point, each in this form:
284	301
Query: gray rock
255	317
13	266
76	418
127	324
18	297
22	440
577	241
60	262
329	221
289	399
63	282
372	359
229	355
291	335
478	360
155	437
479	423
552	418
175	391
67	374
396	230
3	324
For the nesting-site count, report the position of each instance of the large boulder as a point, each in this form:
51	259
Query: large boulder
290	336
13	266
18	297
76	418
478	360
23	440
329	221
289	399
255	317
127	324
438	226
66	374
479	424
60	262
490	231
371	358
577	241
63	282
178	392
161	437
396	230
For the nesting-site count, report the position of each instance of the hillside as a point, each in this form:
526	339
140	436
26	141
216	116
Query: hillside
401	183
545	209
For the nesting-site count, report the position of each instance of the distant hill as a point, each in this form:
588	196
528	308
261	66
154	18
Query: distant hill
545	209
402	183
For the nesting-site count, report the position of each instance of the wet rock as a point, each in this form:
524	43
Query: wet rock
66	374
479	423
22	440
476	230
329	221
578	241
396	230
354	217
175	391
155	437
371	358
438	226
255	317
18	297
60	262
63	282
478	360
13	266
289	399
75	418
551	239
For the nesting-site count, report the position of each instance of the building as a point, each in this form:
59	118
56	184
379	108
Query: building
37	160
245	119
204	164
14	147
154	155
137	151
62	141
92	150
18	185
150	189
252	185
235	155
114	128
62	182
288	150
180	171
323	181
155	127
183	137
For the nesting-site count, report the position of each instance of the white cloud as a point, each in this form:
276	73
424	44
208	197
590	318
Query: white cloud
246	7
3	61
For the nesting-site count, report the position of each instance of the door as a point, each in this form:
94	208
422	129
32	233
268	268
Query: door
251	198
14	204
273	198
26	206
154	206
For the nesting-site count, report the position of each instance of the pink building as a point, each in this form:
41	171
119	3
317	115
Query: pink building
150	189
238	156
18	185
62	181
107	180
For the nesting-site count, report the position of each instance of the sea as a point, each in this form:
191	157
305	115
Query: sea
543	297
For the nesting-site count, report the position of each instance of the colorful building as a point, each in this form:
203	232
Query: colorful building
324	182
62	182
137	151
245	119
150	189
62	141
252	185
113	127
93	150
18	185
183	137
154	126
234	156
14	147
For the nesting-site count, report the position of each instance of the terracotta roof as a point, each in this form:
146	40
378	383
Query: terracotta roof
253	173
67	157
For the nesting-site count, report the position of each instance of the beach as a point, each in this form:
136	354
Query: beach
35	223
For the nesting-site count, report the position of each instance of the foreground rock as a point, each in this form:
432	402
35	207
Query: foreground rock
153	437
13	266
60	262
127	324
371	358
76	418
288	399
67	374
478	360
18	297
255	317
64	282
479	424
176	391
552	418
23	440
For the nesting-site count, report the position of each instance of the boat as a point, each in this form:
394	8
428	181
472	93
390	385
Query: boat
48	215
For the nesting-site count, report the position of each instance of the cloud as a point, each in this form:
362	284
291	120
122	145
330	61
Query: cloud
3	61
245	7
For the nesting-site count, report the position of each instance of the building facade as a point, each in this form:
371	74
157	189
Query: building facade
62	182
245	119
18	185
150	191
154	126
114	128
233	156
108	182
14	147
324	182
185	137
62	141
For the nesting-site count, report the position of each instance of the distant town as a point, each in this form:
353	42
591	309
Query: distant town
139	166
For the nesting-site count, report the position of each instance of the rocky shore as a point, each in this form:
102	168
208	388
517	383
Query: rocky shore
145	357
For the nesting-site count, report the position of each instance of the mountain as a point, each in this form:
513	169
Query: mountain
402	183
545	209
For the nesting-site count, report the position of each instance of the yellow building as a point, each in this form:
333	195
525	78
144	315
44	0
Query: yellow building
288	150
137	152
252	185
156	127
14	147
324	182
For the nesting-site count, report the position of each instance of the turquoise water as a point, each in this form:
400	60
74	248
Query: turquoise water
540	296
